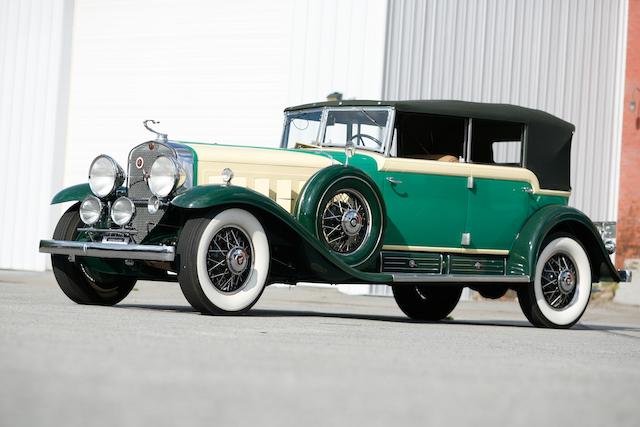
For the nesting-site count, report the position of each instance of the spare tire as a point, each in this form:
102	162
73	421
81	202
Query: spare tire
344	209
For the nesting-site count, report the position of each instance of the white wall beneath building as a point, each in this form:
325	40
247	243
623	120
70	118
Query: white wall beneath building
564	57
34	61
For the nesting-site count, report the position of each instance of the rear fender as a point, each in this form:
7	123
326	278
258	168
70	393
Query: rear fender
558	218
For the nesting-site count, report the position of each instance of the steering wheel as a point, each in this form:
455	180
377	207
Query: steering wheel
360	136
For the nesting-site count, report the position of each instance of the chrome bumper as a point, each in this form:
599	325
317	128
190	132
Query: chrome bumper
625	275
108	250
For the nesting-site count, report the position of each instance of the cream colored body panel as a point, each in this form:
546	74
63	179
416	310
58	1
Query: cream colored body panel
444	249
278	174
434	167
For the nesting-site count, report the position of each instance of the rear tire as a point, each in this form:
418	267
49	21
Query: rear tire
492	291
559	294
427	302
76	280
224	261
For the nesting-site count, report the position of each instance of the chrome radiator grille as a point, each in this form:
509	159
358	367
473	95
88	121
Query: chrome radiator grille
139	192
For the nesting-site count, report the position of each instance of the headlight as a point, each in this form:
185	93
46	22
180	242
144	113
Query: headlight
165	176
122	211
105	175
90	210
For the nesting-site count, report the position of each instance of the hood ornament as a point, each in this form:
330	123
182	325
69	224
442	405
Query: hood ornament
160	137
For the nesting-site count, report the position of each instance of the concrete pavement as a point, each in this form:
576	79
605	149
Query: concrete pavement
306	356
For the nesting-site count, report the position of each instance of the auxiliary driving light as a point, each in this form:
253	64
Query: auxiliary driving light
90	210
122	211
153	205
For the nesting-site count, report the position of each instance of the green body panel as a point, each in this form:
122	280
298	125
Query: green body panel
208	196
496	210
425	210
75	193
551	218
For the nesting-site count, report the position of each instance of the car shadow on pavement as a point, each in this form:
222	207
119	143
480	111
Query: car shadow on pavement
379	318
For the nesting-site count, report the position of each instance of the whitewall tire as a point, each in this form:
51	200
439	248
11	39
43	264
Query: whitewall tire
224	261
561	286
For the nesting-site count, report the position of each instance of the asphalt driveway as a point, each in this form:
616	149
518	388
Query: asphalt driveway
306	356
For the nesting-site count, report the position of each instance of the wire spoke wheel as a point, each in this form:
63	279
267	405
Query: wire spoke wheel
346	221
559	279
559	293
229	259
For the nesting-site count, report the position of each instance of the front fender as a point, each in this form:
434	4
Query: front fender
75	193
211	196
559	218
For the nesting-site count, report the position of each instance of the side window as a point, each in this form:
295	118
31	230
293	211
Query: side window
496	143
507	152
430	137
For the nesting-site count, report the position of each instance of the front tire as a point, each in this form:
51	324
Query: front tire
560	292
427	302
76	280
224	261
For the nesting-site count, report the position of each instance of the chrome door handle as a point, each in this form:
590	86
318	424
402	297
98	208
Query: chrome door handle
527	190
393	181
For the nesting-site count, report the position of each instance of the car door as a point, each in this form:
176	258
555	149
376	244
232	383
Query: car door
499	190
426	204
497	210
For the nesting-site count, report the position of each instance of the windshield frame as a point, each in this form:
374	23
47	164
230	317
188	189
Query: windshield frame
388	132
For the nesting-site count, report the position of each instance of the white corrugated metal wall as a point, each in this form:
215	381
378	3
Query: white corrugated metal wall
34	56
565	57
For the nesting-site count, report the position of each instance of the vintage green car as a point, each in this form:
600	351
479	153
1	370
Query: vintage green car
425	196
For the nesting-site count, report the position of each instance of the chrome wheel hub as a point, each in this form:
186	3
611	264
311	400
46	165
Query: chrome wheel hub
237	260
566	281
559	280
352	222
229	259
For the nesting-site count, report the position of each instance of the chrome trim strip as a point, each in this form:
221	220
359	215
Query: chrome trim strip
107	230
457	278
109	250
625	275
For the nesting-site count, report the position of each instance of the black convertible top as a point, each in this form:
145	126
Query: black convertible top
547	145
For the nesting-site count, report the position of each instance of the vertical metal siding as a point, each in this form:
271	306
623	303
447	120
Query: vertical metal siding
564	57
32	57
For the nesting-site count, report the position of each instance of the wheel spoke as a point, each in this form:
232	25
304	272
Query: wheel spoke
227	246
340	231
558	281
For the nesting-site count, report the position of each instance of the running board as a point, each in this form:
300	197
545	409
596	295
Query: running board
457	278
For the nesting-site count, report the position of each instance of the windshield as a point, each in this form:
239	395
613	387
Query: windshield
366	127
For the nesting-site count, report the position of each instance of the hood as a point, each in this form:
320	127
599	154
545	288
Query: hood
277	173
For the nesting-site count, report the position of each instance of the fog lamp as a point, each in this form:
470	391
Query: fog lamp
90	210
153	205
122	211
